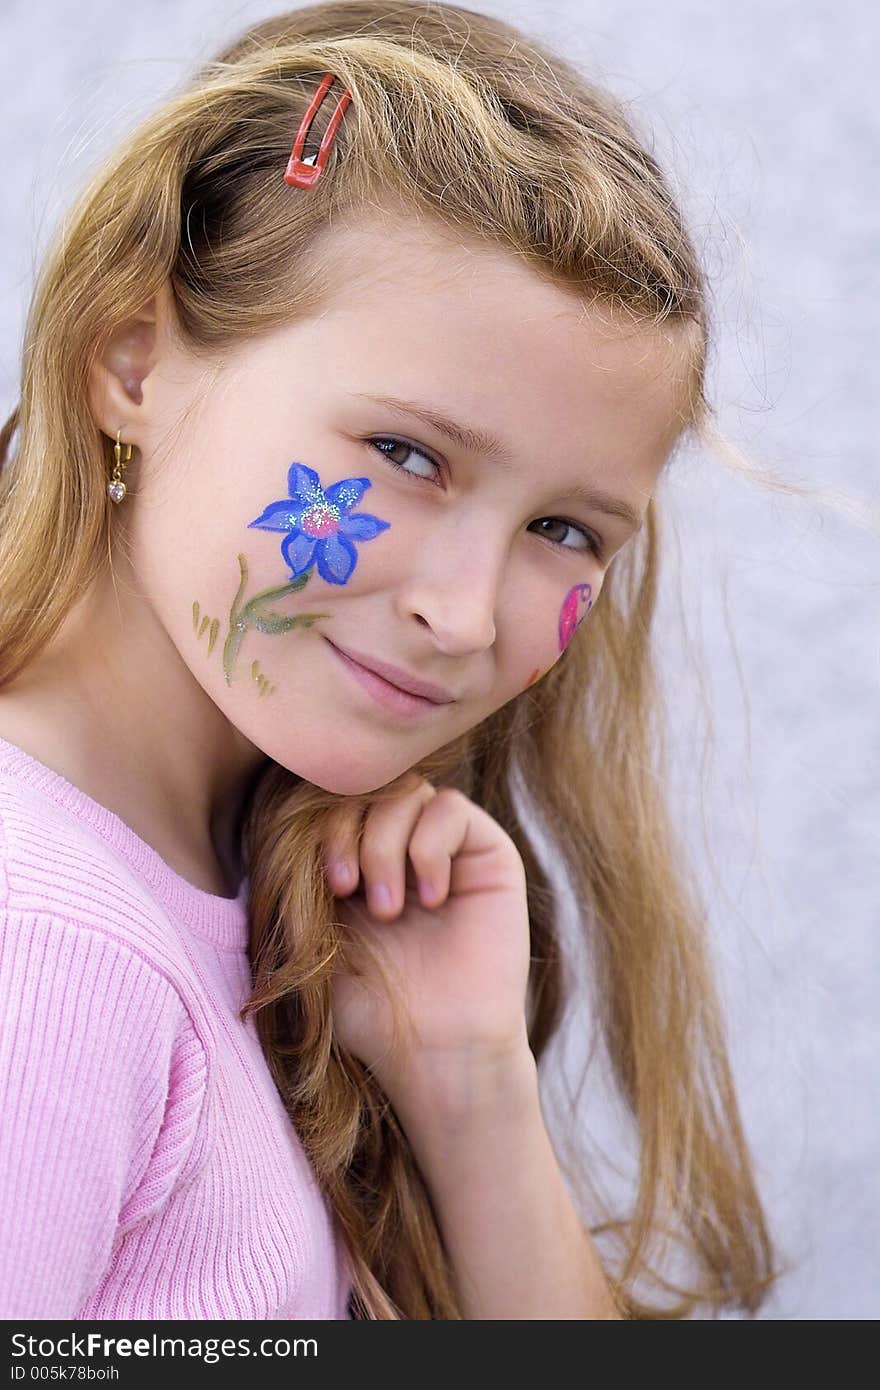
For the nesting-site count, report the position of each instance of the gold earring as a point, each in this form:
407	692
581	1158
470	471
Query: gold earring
116	487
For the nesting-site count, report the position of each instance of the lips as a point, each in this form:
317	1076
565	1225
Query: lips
396	676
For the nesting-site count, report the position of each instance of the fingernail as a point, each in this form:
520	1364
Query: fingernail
340	870
381	894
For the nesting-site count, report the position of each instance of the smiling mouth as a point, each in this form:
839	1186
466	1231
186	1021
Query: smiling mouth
390	697
395	676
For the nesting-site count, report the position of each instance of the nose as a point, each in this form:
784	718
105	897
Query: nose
454	586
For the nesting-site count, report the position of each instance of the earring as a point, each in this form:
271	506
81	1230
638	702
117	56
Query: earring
116	487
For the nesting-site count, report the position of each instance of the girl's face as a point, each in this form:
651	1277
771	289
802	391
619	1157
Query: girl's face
299	509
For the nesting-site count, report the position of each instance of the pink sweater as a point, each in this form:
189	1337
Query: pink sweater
148	1168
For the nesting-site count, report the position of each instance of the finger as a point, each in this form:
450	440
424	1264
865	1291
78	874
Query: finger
437	838
341	851
383	850
342	841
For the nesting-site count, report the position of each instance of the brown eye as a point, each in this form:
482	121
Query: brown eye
594	545
404	447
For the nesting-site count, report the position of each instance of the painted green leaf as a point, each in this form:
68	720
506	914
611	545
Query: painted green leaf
272	622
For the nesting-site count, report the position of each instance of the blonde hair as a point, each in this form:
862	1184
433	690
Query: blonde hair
464	118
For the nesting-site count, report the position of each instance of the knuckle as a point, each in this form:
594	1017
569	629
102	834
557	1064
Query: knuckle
421	841
420	854
341	845
411	779
452	795
377	860
413	783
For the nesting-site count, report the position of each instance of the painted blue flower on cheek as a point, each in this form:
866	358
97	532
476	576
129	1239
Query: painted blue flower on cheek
320	526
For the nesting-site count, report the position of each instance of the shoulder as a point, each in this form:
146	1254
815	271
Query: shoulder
56	865
107	1059
104	1103
94	989
68	899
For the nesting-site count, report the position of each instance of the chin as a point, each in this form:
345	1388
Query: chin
345	776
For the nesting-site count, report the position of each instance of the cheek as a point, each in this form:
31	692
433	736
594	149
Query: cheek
312	549
573	610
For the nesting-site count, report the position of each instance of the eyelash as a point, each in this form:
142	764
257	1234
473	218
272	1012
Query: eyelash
593	542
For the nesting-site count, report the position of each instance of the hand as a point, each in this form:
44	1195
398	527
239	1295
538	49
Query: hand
456	949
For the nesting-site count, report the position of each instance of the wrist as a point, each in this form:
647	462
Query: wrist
453	1091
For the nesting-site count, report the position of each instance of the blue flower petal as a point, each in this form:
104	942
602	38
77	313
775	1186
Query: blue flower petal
304	484
337	558
299	552
279	516
347	493
362	526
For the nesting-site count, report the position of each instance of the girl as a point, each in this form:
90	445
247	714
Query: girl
329	555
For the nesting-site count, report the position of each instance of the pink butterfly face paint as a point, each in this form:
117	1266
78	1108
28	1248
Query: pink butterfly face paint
575	607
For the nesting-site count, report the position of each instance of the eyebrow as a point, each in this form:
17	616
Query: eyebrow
477	441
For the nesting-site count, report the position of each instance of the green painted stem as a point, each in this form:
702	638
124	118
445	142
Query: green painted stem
257	614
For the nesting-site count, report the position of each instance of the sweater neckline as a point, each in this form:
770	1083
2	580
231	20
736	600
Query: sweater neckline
221	921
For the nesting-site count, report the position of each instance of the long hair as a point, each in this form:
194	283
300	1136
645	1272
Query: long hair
460	116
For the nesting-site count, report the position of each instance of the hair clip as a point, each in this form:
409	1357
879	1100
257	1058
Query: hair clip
304	173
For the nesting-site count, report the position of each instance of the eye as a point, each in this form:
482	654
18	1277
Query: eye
593	543
406	448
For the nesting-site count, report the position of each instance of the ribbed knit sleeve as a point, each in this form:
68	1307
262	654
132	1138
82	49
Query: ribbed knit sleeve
102	1083
149	1168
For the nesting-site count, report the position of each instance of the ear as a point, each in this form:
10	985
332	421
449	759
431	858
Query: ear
120	391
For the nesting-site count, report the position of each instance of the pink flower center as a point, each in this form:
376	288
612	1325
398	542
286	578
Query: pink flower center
320	521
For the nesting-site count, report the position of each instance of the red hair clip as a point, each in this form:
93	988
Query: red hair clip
304	173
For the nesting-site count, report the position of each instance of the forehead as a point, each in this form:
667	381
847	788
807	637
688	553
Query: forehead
426	312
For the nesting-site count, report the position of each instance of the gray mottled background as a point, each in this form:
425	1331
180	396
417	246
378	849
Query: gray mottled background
761	114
